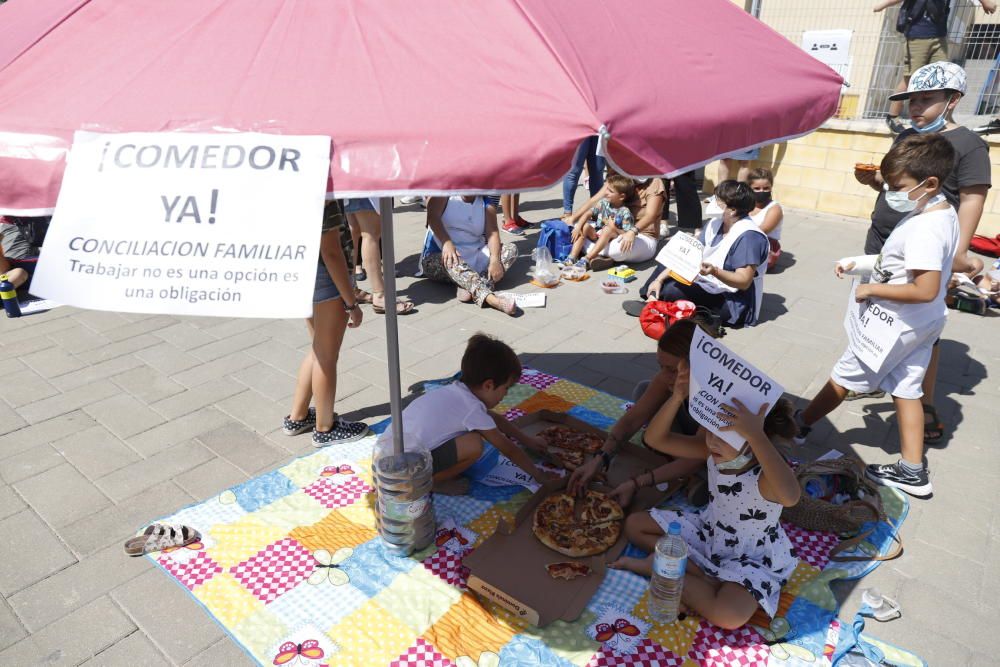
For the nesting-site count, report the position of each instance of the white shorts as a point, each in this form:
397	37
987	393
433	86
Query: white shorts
903	371
642	250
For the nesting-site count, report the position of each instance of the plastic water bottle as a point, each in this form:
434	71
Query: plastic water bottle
9	295
404	511
667	582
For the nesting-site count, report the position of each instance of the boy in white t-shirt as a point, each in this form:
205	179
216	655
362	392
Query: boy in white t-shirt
453	420
905	282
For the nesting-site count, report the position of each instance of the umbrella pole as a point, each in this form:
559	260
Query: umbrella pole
391	324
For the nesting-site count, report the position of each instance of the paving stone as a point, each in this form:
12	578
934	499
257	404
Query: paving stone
10	365
62	495
67	402
255	410
113	525
123	415
78	340
242	447
167	359
52	598
283	357
53	362
184	336
121	348
24	346
182	428
43	432
214	369
95	451
211	478
10	502
226	328
96	371
965	623
181	634
11	630
100	320
225	652
229	344
10	420
148	325
268	380
160	467
29	463
80	635
29	552
195	398
135	649
147	384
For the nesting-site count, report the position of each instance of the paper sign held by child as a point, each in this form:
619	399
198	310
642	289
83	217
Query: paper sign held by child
719	375
682	257
872	330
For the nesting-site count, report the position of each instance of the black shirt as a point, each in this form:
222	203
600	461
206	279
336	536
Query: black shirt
972	167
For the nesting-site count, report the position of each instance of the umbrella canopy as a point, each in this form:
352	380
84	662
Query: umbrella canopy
418	96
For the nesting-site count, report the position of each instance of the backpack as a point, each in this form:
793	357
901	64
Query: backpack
984	245
913	10
557	236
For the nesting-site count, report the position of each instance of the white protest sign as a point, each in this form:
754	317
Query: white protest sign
872	330
719	375
188	224
682	256
507	473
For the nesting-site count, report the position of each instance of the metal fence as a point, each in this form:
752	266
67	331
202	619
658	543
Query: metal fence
871	52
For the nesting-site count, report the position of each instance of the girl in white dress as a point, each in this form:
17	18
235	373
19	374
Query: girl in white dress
738	555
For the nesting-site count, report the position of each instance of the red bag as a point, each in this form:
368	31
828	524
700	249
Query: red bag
984	245
656	316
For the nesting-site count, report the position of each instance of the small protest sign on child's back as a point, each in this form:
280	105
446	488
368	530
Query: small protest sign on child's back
719	375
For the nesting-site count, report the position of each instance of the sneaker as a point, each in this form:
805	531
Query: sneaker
521	222
991	127
600	263
804	430
342	432
411	199
895	125
894	475
855	395
511	227
295	426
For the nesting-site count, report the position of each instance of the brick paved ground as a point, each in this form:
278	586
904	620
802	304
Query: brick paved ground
109	420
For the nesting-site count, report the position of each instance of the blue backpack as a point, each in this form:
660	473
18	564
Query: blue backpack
556	235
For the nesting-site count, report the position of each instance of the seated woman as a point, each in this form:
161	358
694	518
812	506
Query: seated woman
470	253
639	243
731	282
671	350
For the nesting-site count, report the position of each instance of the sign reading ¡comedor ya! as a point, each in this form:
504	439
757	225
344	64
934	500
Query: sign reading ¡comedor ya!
188	224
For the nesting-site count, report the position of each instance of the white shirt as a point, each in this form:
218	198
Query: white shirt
440	415
922	242
759	216
466	226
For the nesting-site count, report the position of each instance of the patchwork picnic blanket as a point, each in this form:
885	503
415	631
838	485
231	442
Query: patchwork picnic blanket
292	568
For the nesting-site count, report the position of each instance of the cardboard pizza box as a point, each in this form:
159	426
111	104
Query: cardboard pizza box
509	567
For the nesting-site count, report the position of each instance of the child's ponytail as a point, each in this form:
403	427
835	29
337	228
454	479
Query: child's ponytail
780	421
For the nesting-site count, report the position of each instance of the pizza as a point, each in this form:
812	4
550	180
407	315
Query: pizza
564	437
568	570
567	458
580	527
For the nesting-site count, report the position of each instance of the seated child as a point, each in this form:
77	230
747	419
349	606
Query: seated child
731	281
453	420
611	218
767	213
18	256
738	554
905	281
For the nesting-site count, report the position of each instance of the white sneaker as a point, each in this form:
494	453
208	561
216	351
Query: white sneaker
411	199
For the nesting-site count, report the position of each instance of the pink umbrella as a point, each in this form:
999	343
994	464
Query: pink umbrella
419	97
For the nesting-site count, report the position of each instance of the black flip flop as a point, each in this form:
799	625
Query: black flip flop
633	307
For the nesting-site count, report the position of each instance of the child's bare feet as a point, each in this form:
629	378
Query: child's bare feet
643	566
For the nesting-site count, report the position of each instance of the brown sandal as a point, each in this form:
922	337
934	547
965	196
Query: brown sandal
402	308
362	296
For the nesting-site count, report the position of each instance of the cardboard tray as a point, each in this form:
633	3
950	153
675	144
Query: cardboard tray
509	567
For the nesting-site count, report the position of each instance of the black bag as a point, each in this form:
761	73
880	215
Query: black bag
33	229
912	10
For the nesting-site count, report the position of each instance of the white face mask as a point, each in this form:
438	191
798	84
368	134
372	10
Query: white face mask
741	461
900	201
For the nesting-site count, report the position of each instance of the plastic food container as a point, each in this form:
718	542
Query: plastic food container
613	287
573	272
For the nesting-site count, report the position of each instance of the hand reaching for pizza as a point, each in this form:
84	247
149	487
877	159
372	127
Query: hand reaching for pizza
581	477
624	492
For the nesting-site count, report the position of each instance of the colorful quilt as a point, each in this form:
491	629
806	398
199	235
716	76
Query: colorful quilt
291	566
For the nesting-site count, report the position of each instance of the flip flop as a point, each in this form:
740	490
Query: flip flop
633	307
402	308
160	536
362	296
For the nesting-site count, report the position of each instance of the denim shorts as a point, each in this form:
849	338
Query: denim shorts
325	288
355	205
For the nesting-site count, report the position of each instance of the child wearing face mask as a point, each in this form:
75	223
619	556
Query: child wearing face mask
767	213
905	280
738	554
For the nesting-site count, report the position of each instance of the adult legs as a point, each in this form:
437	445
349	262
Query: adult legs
303	383
330	323
688	202
572	178
596	165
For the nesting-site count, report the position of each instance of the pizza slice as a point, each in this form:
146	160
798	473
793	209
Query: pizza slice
568	570
568	458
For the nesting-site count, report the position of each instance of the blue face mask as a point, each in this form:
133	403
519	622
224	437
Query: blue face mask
935	125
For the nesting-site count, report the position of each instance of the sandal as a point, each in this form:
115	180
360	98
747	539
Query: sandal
933	428
402	308
160	536
362	296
